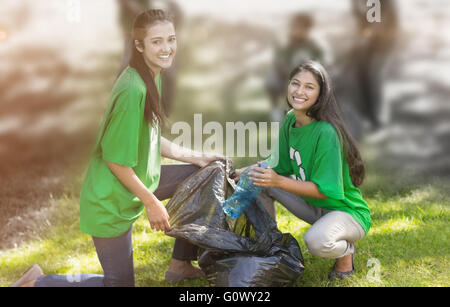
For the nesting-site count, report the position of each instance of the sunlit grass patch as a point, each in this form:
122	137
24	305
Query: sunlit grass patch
397	225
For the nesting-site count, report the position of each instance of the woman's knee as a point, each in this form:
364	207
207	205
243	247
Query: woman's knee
319	245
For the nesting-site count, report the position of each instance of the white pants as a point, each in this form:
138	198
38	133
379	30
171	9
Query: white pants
333	233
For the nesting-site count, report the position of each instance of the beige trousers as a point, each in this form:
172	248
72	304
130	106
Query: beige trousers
333	233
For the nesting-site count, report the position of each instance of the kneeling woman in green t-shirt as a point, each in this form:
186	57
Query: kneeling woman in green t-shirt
125	174
315	146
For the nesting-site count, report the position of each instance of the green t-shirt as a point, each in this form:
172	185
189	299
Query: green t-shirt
107	207
314	153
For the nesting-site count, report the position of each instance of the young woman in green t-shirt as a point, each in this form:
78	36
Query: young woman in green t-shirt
315	146
125	174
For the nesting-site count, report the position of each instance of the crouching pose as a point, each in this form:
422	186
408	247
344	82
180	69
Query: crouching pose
315	146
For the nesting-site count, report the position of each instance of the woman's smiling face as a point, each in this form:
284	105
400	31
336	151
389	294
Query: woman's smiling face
303	91
160	46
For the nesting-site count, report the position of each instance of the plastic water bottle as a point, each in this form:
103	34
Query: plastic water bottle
243	195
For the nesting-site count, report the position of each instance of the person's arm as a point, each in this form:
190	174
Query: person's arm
172	151
270	179
156	212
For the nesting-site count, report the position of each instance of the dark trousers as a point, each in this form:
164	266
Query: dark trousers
116	258
171	177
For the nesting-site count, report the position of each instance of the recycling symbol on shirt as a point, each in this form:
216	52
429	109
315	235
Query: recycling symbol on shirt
295	155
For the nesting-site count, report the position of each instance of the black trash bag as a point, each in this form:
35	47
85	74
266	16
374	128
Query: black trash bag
246	252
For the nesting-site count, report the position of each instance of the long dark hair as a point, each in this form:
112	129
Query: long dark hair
327	109
154	110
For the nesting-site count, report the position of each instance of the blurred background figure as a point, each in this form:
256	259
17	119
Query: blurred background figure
371	53
372	50
128	10
300	48
360	73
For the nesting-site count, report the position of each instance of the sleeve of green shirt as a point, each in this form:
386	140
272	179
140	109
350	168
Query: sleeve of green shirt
120	142
279	160
327	166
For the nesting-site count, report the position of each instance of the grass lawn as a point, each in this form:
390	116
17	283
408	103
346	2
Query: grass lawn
407	244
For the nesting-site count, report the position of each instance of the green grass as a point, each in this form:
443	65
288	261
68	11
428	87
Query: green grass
409	238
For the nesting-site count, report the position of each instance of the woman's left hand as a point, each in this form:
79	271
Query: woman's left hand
208	158
266	177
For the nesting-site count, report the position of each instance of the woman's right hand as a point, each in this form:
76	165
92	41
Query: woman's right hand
157	216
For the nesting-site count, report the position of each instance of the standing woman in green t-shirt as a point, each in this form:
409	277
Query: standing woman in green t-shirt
125	174
315	146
